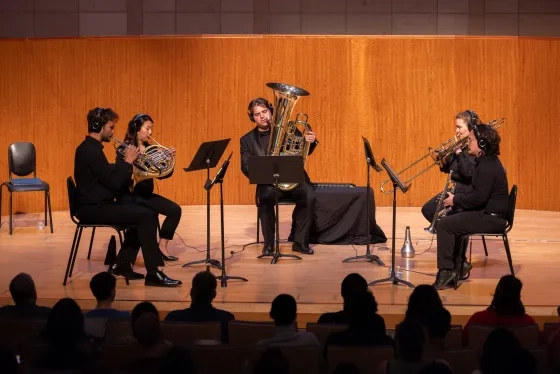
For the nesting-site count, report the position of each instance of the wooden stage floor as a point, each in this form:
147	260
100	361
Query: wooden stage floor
314	281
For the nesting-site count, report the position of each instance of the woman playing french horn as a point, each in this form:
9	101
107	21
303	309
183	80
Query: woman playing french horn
142	192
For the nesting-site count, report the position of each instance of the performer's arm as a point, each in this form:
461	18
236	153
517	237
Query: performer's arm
313	146
310	137
113	176
477	197
245	153
465	167
444	168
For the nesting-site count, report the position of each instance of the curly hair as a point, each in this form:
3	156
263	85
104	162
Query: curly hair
491	139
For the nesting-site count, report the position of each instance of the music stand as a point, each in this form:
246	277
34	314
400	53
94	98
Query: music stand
219	178
207	157
396	183
273	170
370	161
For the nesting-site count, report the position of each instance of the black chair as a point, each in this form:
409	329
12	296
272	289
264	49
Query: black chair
22	162
512	200
79	228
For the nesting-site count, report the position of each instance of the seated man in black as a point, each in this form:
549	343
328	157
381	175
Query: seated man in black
97	182
484	206
255	143
24	294
203	291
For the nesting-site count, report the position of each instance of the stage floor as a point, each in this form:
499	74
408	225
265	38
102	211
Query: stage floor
313	281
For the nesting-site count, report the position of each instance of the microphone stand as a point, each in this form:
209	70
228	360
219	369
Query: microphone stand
220	179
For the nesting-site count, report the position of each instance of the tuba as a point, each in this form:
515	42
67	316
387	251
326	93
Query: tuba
287	138
439	154
155	161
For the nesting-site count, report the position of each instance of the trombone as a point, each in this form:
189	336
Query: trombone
440	153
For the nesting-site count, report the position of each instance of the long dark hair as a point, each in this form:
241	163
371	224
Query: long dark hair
134	126
507	297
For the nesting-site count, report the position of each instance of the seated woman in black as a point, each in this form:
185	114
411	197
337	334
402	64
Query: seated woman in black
138	134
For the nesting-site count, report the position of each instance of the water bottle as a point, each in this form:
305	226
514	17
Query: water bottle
40	225
398	272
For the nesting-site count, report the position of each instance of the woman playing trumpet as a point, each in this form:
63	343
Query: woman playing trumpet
138	134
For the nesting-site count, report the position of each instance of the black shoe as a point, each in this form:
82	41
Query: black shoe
268	249
297	247
168	258
467	266
124	271
444	277
159	279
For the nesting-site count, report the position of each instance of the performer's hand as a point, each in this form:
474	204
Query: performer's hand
449	200
131	154
310	136
172	151
457	150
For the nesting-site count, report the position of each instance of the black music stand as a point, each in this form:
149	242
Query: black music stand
370	161
396	183
275	170
207	156
219	178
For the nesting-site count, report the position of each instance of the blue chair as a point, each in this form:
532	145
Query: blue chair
22	162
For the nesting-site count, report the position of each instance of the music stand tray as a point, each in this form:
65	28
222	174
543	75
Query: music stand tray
206	157
273	170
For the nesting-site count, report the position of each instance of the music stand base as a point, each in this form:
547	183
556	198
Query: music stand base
277	256
367	257
393	280
224	279
207	261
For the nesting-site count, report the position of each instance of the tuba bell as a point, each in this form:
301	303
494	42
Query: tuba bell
287	138
155	161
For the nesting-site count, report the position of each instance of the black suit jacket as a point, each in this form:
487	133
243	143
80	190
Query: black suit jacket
250	146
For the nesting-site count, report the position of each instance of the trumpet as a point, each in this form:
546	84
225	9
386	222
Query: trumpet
440	154
155	161
441	211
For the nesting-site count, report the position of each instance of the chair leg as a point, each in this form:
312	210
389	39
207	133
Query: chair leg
45	218
484	243
71	256
1	186
258	227
508	253
11	223
76	251
91	243
50	212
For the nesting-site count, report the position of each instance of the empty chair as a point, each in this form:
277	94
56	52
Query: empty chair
22	162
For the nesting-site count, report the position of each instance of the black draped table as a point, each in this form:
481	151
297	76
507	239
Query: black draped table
340	217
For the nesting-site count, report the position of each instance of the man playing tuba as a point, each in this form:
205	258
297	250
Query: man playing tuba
255	143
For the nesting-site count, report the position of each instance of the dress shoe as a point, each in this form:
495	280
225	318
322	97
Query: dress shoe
159	279
268	249
124	271
467	266
168	258
443	278
297	247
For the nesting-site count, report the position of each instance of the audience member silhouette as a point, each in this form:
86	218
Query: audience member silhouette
410	339
67	347
103	287
502	354
363	329
423	300
506	307
203	292
436	367
437	325
284	313
24	294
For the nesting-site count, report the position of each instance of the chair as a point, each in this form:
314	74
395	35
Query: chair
71	186
22	162
512	200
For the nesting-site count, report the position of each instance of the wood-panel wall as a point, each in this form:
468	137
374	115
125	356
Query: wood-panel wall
400	92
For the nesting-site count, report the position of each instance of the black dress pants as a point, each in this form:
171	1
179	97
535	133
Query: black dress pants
145	221
429	209
304	197
451	228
